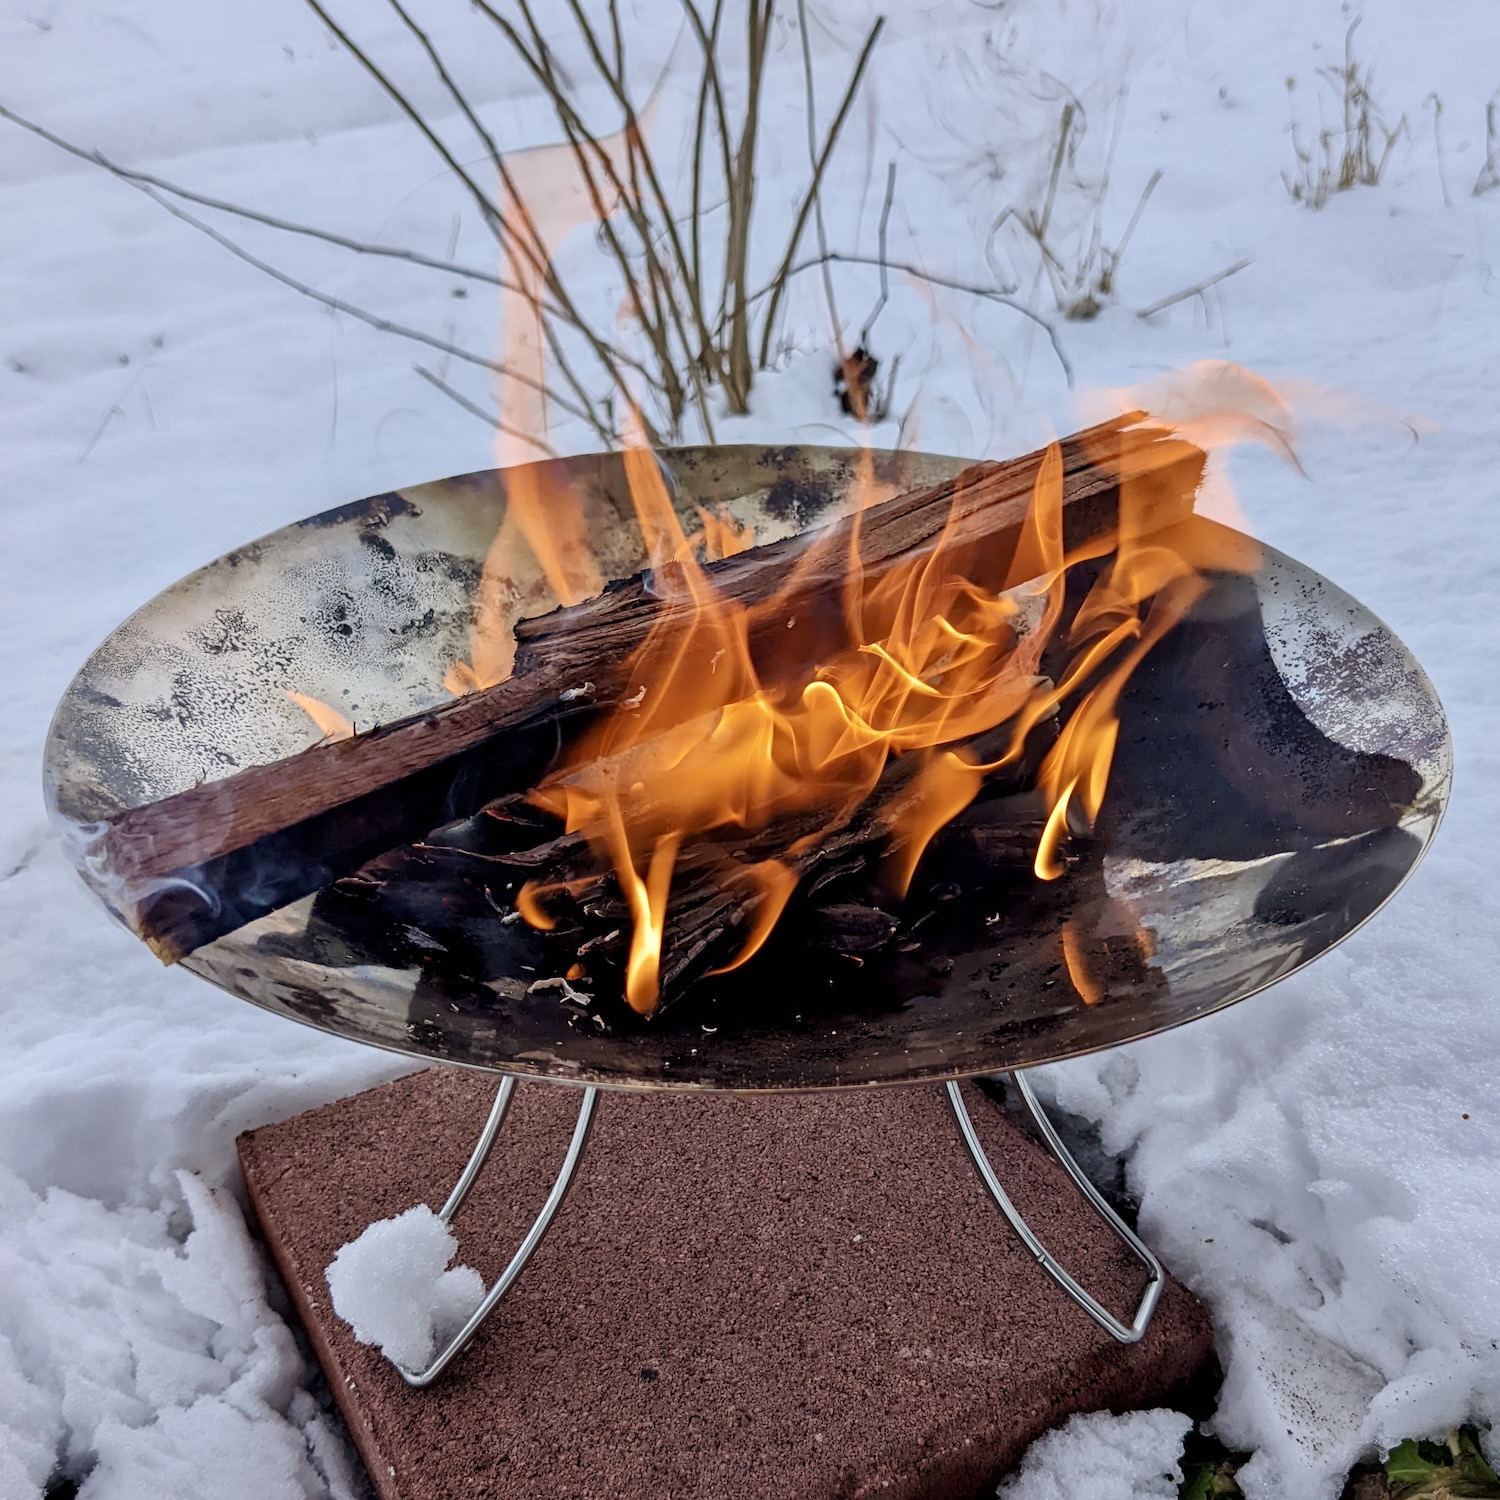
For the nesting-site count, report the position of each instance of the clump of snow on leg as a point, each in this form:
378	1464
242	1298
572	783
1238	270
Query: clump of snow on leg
392	1286
1134	1457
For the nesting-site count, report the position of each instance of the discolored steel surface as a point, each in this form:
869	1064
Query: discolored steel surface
1282	765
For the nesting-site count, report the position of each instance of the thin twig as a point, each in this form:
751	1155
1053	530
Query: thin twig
1489	174
1038	225
1096	254
581	141
740	373
1437	146
155	188
358	247
254	216
530	243
885	285
836	326
618	36
637	146
707	87
487	417
488	210
1064	136
988	293
363	315
1195	289
815	187
709	42
1117	254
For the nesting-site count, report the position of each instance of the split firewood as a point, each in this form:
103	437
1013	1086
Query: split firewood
189	868
988	504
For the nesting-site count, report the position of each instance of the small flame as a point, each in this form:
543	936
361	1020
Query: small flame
529	904
1090	991
332	724
722	535
647	898
776	884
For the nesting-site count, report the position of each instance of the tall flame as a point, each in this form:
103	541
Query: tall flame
545	196
931	663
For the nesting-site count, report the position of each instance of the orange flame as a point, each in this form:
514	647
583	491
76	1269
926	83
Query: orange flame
931	659
330	721
930	664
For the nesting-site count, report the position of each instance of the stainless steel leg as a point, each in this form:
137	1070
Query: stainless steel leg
470	1173
1130	1333
507	1278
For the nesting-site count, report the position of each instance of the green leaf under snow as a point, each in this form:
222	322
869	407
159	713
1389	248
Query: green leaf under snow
1432	1471
1406	1465
1210	1481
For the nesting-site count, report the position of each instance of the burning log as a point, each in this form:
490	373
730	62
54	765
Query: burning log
718	906
987	505
189	868
842	902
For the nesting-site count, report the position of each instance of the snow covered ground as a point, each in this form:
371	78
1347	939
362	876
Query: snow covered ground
1322	1165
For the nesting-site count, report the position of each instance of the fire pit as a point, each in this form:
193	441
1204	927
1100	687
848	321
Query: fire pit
1281	765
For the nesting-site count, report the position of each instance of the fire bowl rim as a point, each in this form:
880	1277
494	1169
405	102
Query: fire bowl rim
683	1063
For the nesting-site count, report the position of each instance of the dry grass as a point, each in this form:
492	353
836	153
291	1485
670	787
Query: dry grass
1352	152
1489	174
1079	264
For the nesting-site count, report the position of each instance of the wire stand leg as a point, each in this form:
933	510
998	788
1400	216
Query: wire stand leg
1126	1333
420	1379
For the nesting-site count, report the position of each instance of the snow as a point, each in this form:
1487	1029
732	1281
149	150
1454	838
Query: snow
140	1340
1322	1165
1136	1456
394	1288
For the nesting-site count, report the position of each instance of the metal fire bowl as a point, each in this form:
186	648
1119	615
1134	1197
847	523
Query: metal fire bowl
1282	766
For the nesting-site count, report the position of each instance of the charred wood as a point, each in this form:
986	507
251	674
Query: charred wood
459	888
